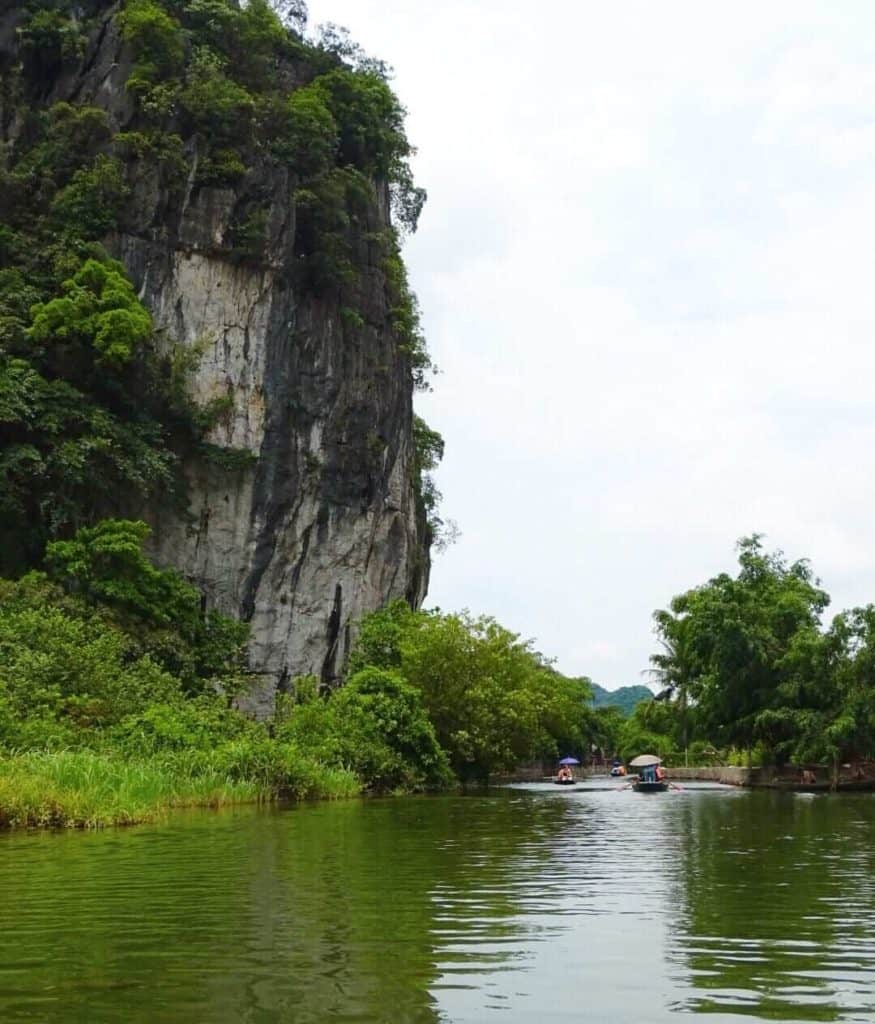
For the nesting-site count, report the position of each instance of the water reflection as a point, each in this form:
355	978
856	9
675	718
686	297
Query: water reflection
778	899
520	905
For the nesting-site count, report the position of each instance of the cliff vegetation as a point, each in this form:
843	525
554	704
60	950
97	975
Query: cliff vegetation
94	410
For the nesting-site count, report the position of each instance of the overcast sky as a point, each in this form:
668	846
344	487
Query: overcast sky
646	272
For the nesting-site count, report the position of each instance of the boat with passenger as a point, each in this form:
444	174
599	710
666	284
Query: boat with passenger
651	775
565	776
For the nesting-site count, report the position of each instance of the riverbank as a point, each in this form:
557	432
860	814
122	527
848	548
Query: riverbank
83	789
729	775
850	778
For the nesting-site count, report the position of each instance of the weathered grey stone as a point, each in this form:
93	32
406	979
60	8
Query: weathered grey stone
324	525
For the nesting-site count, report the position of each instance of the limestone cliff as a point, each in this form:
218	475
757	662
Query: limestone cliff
322	521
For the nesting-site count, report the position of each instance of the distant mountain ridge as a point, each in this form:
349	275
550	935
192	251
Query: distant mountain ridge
625	698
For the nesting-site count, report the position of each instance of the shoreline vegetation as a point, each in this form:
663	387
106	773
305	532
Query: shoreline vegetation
117	694
117	699
81	789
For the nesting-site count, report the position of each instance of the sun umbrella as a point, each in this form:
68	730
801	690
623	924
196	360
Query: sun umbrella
645	761
569	760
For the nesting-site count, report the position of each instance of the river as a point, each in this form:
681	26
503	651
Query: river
523	904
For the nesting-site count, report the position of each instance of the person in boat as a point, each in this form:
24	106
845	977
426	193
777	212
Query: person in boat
808	777
660	773
564	774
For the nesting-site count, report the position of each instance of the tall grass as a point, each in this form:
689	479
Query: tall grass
84	789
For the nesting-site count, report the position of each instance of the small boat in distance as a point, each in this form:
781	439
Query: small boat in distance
651	776
565	776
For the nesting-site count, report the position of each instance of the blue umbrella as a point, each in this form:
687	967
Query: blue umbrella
569	760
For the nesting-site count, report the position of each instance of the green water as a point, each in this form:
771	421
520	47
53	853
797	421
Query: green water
531	904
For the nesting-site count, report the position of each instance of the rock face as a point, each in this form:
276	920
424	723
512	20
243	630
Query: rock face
323	522
323	525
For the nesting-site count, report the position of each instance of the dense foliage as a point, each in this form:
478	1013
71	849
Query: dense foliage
105	656
116	695
748	665
493	700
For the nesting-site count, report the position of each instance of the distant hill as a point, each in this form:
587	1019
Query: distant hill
625	698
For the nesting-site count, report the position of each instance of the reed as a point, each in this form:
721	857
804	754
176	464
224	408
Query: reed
82	789
87	789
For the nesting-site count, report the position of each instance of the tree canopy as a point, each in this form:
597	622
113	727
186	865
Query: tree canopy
749	663
492	698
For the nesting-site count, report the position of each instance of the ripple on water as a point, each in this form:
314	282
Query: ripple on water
520	905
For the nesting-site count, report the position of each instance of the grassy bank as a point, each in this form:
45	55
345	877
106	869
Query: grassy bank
117	699
83	789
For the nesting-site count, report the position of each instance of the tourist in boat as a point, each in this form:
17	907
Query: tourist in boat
564	774
660	773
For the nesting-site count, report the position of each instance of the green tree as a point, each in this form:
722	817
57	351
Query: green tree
853	633
649	729
99	309
607	723
61	673
674	667
826	710
105	566
375	725
89	207
156	39
492	699
739	645
308	139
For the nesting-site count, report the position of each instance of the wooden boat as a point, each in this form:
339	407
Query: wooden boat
648	779
640	786
565	782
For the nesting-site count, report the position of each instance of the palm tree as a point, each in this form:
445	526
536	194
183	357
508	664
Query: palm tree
673	667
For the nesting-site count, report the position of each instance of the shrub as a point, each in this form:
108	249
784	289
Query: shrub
404	311
61	455
376	726
60	673
99	308
217	107
248	235
105	565
308	139
48	39
198	724
369	118
67	138
155	39
91	203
